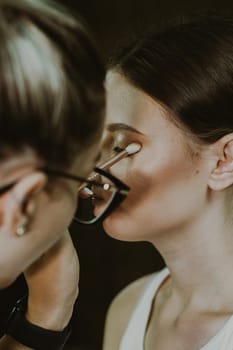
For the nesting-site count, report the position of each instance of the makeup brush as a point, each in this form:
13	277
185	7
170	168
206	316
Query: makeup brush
131	149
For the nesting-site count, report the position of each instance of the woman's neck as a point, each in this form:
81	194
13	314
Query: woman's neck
200	260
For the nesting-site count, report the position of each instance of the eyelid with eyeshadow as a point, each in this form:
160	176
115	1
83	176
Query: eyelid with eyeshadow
118	149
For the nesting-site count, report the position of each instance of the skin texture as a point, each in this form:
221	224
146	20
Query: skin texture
180	190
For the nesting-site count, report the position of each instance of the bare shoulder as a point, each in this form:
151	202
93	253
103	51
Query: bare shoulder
120	312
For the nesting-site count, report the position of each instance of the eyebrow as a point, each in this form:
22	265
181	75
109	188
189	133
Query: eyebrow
121	126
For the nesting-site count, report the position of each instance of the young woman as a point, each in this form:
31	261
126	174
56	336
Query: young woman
172	93
51	118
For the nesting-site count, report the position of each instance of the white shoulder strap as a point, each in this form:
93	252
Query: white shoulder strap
133	337
223	340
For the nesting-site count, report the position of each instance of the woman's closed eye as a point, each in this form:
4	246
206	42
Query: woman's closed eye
131	149
118	149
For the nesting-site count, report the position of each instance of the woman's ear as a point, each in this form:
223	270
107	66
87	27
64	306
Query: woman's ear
19	205
222	175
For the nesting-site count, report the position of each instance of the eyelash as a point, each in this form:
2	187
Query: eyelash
118	149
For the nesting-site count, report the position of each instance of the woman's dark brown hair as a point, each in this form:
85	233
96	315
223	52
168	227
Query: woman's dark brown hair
188	68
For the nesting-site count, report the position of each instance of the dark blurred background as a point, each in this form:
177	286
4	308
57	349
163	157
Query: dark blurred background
108	265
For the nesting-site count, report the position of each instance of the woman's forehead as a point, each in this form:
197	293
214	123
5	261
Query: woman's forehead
129	108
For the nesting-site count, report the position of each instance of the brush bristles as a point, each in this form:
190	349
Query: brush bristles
133	148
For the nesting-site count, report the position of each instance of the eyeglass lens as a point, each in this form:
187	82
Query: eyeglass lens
94	200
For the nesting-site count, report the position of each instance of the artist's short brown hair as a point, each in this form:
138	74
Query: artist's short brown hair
51	81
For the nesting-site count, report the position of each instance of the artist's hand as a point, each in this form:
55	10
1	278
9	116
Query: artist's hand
53	286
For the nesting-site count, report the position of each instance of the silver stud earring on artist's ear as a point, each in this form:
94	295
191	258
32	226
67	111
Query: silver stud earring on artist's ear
25	219
20	231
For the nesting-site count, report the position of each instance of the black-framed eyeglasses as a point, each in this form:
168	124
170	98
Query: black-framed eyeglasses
98	195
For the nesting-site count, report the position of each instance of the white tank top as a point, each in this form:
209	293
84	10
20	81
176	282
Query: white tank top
133	338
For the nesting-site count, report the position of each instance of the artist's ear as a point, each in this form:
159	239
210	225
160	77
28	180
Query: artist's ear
222	174
19	205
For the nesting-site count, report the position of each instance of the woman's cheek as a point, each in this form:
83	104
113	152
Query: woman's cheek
140	183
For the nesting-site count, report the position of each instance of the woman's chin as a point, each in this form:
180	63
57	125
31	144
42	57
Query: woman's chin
116	227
